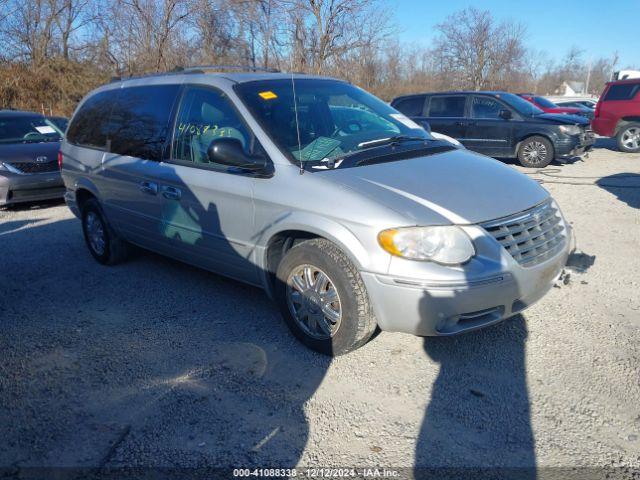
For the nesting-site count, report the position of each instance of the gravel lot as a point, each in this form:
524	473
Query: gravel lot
155	363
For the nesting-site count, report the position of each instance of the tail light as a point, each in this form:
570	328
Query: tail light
59	160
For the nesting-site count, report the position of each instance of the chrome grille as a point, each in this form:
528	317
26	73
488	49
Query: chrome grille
25	167
530	237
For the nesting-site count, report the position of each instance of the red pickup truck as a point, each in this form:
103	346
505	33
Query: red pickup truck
618	114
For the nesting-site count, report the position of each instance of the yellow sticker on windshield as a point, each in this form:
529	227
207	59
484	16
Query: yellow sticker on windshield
268	95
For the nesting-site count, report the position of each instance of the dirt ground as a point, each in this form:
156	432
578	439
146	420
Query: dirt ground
157	364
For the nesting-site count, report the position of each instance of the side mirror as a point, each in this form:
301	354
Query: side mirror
229	151
505	114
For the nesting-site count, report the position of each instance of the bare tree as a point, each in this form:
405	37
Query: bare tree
144	35
71	17
28	31
476	52
324	30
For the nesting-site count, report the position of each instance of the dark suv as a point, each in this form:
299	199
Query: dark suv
500	124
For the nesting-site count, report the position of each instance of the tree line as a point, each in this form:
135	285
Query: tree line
54	51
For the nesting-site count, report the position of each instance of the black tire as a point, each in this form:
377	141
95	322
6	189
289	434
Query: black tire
544	148
357	322
115	249
622	138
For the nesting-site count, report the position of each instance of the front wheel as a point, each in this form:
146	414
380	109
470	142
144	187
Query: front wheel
323	299
628	138
535	152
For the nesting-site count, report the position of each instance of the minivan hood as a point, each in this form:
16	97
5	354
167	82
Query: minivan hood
455	187
28	152
563	119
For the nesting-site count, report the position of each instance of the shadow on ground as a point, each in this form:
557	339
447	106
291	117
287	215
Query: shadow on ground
606	143
150	363
625	186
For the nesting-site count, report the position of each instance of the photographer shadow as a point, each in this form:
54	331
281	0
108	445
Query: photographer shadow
478	424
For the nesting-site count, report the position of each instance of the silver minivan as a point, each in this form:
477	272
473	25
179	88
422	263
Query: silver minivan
350	216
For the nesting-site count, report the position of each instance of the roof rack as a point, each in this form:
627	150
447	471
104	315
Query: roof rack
223	68
200	69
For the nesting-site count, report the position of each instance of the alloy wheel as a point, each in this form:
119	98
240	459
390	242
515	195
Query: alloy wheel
534	152
314	301
95	233
631	138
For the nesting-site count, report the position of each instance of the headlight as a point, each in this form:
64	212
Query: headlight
447	244
570	129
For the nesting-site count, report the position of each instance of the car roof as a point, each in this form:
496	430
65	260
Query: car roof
206	75
18	113
625	82
234	77
454	92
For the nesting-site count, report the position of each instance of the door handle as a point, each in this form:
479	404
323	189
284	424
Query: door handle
172	193
149	187
461	124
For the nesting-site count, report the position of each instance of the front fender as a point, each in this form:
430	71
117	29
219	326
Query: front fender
321	226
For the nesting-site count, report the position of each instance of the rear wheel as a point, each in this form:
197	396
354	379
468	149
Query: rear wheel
104	244
628	138
323	299
535	152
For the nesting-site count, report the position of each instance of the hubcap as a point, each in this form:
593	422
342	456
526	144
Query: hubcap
535	152
95	233
314	302
631	138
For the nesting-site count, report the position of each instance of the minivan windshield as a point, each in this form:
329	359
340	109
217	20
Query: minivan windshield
25	129
520	104
334	118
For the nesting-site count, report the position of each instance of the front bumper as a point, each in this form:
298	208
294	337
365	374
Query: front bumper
17	188
427	308
574	145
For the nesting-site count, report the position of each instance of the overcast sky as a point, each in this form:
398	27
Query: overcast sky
600	28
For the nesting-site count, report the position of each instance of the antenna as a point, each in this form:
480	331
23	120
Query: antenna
295	109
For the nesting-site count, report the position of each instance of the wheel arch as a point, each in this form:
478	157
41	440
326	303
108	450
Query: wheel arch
624	121
280	238
527	135
84	189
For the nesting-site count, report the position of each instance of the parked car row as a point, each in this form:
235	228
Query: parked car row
548	106
346	210
497	124
501	125
577	102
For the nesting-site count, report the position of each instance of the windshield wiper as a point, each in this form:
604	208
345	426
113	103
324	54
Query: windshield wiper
364	147
390	140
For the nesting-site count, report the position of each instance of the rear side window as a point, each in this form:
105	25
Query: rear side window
622	92
139	123
89	125
452	106
412	106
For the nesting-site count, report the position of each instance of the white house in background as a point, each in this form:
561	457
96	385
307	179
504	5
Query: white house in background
625	74
571	89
